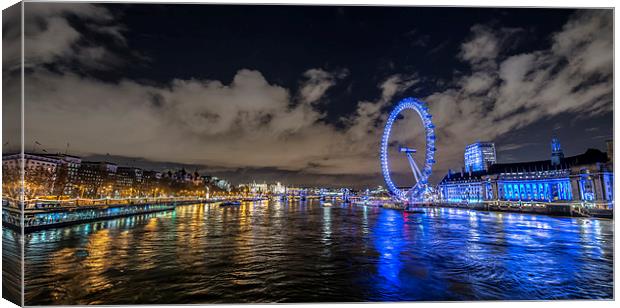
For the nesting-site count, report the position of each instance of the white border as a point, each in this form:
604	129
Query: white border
487	3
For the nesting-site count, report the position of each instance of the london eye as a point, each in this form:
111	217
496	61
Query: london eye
417	192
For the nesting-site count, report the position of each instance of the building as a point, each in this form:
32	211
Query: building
585	177
31	161
217	182
128	181
70	171
479	156
222	184
297	191
462	187
277	188
254	188
90	179
557	155
66	176
96	179
151	183
182	176
40	174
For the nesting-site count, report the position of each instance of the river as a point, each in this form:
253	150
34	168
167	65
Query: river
304	252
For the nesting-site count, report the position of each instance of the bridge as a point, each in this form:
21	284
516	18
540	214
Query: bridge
342	194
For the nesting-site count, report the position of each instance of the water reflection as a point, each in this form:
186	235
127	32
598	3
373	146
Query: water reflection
389	243
301	251
327	225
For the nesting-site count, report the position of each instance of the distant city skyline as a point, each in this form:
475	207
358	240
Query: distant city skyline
239	96
259	177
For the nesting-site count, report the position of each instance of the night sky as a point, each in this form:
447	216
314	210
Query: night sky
300	93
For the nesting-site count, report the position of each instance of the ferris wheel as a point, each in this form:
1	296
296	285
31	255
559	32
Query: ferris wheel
417	193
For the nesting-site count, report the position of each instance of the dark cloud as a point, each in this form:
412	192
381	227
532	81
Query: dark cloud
255	126
506	91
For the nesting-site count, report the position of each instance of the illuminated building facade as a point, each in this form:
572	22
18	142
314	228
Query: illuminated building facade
479	156
277	188
264	188
217	182
545	185
94	177
66	176
557	155
128	181
586	177
39	173
462	187
71	170
31	161
151	182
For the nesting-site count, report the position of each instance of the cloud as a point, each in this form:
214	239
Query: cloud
253	123
512	146
505	92
484	45
248	123
370	116
51	38
317	83
585	42
477	82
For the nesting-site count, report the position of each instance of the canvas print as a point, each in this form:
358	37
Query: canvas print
203	154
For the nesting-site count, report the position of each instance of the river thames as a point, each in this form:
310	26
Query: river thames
304	252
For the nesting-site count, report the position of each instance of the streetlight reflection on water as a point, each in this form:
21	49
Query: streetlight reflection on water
276	251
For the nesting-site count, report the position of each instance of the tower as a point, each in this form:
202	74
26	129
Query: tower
556	152
479	156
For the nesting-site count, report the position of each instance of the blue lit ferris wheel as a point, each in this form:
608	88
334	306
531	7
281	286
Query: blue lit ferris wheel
418	191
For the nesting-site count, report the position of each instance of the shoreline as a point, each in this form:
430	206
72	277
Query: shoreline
144	208
608	214
29	229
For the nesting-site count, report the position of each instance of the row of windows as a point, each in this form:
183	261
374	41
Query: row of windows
543	191
553	190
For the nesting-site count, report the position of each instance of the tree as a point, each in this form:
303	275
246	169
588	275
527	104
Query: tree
38	181
61	180
11	181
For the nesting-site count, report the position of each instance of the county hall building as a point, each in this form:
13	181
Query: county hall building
587	177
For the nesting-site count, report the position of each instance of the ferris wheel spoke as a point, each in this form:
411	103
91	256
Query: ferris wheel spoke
417	170
414	167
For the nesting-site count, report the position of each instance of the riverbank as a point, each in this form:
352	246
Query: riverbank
48	220
550	210
47	215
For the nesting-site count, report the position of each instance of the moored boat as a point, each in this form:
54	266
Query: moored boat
414	211
230	203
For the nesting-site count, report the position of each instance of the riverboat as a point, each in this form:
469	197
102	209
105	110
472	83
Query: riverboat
230	203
